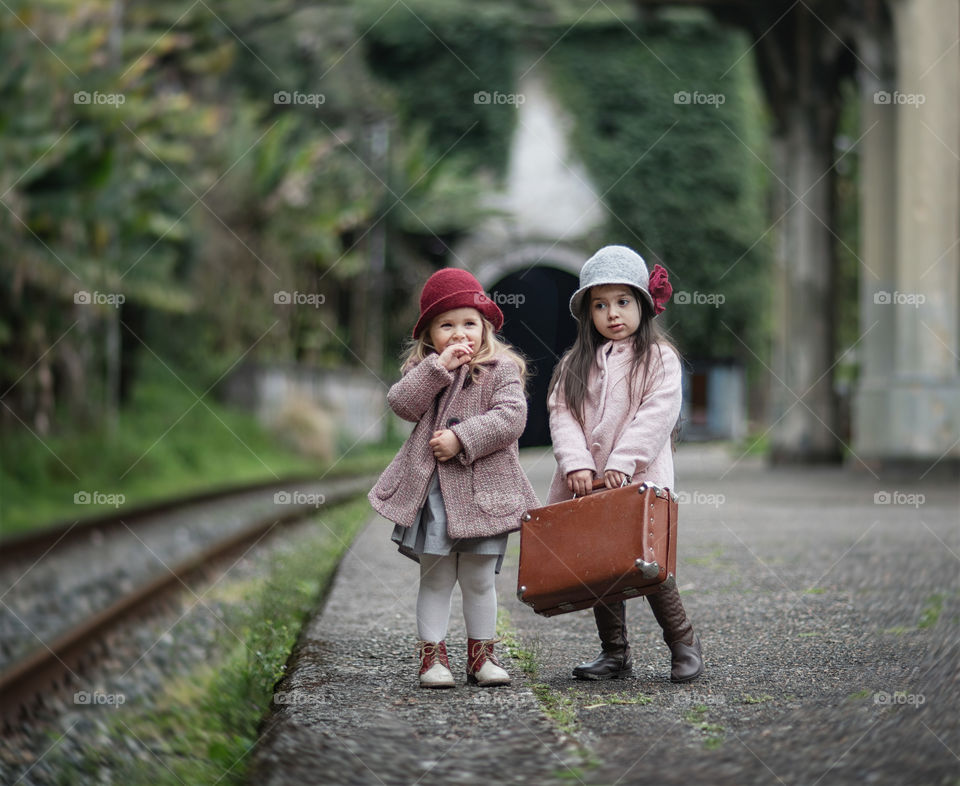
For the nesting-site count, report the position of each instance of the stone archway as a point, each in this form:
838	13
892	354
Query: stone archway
532	287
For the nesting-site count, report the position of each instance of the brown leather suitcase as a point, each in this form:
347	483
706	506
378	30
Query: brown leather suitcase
609	545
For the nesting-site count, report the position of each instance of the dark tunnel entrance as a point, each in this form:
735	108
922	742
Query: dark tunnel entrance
537	321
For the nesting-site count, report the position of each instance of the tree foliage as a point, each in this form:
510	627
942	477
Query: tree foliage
199	162
684	182
673	137
186	167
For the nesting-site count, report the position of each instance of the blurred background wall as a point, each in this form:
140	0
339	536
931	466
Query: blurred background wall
246	199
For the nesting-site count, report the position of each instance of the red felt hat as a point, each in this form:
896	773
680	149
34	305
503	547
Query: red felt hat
452	288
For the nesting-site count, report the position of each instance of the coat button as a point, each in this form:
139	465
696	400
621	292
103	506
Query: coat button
452	422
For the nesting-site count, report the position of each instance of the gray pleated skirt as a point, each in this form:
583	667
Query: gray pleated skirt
428	535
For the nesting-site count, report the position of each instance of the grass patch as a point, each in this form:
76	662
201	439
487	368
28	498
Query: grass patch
714	733
524	657
204	725
814	591
763	697
620	698
860	695
558	707
931	612
707	560
898	630
164	444
758	445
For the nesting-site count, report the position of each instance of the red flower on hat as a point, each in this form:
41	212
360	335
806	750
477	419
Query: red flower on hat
660	288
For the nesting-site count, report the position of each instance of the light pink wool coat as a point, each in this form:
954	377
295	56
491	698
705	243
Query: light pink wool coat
484	489
620	432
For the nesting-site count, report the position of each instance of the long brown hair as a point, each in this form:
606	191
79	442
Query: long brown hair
491	346
573	371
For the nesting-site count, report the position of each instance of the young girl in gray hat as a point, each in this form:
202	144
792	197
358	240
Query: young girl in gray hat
614	402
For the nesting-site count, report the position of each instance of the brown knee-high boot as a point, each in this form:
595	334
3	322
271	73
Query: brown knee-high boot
686	661
613	661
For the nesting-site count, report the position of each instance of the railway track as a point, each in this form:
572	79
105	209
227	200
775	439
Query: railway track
63	589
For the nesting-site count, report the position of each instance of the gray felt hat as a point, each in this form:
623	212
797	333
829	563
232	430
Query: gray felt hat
612	265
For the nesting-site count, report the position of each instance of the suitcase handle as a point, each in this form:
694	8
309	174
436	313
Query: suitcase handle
599	484
659	491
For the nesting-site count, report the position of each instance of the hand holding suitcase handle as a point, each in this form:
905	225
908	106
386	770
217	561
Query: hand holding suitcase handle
600	484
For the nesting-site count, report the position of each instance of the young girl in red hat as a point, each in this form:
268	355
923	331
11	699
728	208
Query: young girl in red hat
456	488
614	402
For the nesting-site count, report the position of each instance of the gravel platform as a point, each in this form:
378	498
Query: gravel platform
827	601
351	711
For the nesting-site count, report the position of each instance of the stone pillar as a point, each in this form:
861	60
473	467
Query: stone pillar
878	244
911	398
802	400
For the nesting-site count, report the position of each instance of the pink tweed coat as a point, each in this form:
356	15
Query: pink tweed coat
630	434
484	489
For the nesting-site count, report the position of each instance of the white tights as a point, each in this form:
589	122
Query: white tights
438	575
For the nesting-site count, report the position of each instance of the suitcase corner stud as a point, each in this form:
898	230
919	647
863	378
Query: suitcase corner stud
649	570
520	591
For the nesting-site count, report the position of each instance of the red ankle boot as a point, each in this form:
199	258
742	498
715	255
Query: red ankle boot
434	666
483	667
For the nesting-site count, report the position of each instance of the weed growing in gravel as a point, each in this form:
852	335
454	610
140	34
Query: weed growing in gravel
708	560
556	706
525	658
748	699
204	726
715	733
559	708
620	698
931	612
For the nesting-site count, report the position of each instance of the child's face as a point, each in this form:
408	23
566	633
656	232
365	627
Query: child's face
615	311
459	326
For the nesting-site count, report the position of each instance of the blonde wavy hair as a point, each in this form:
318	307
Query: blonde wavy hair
490	347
